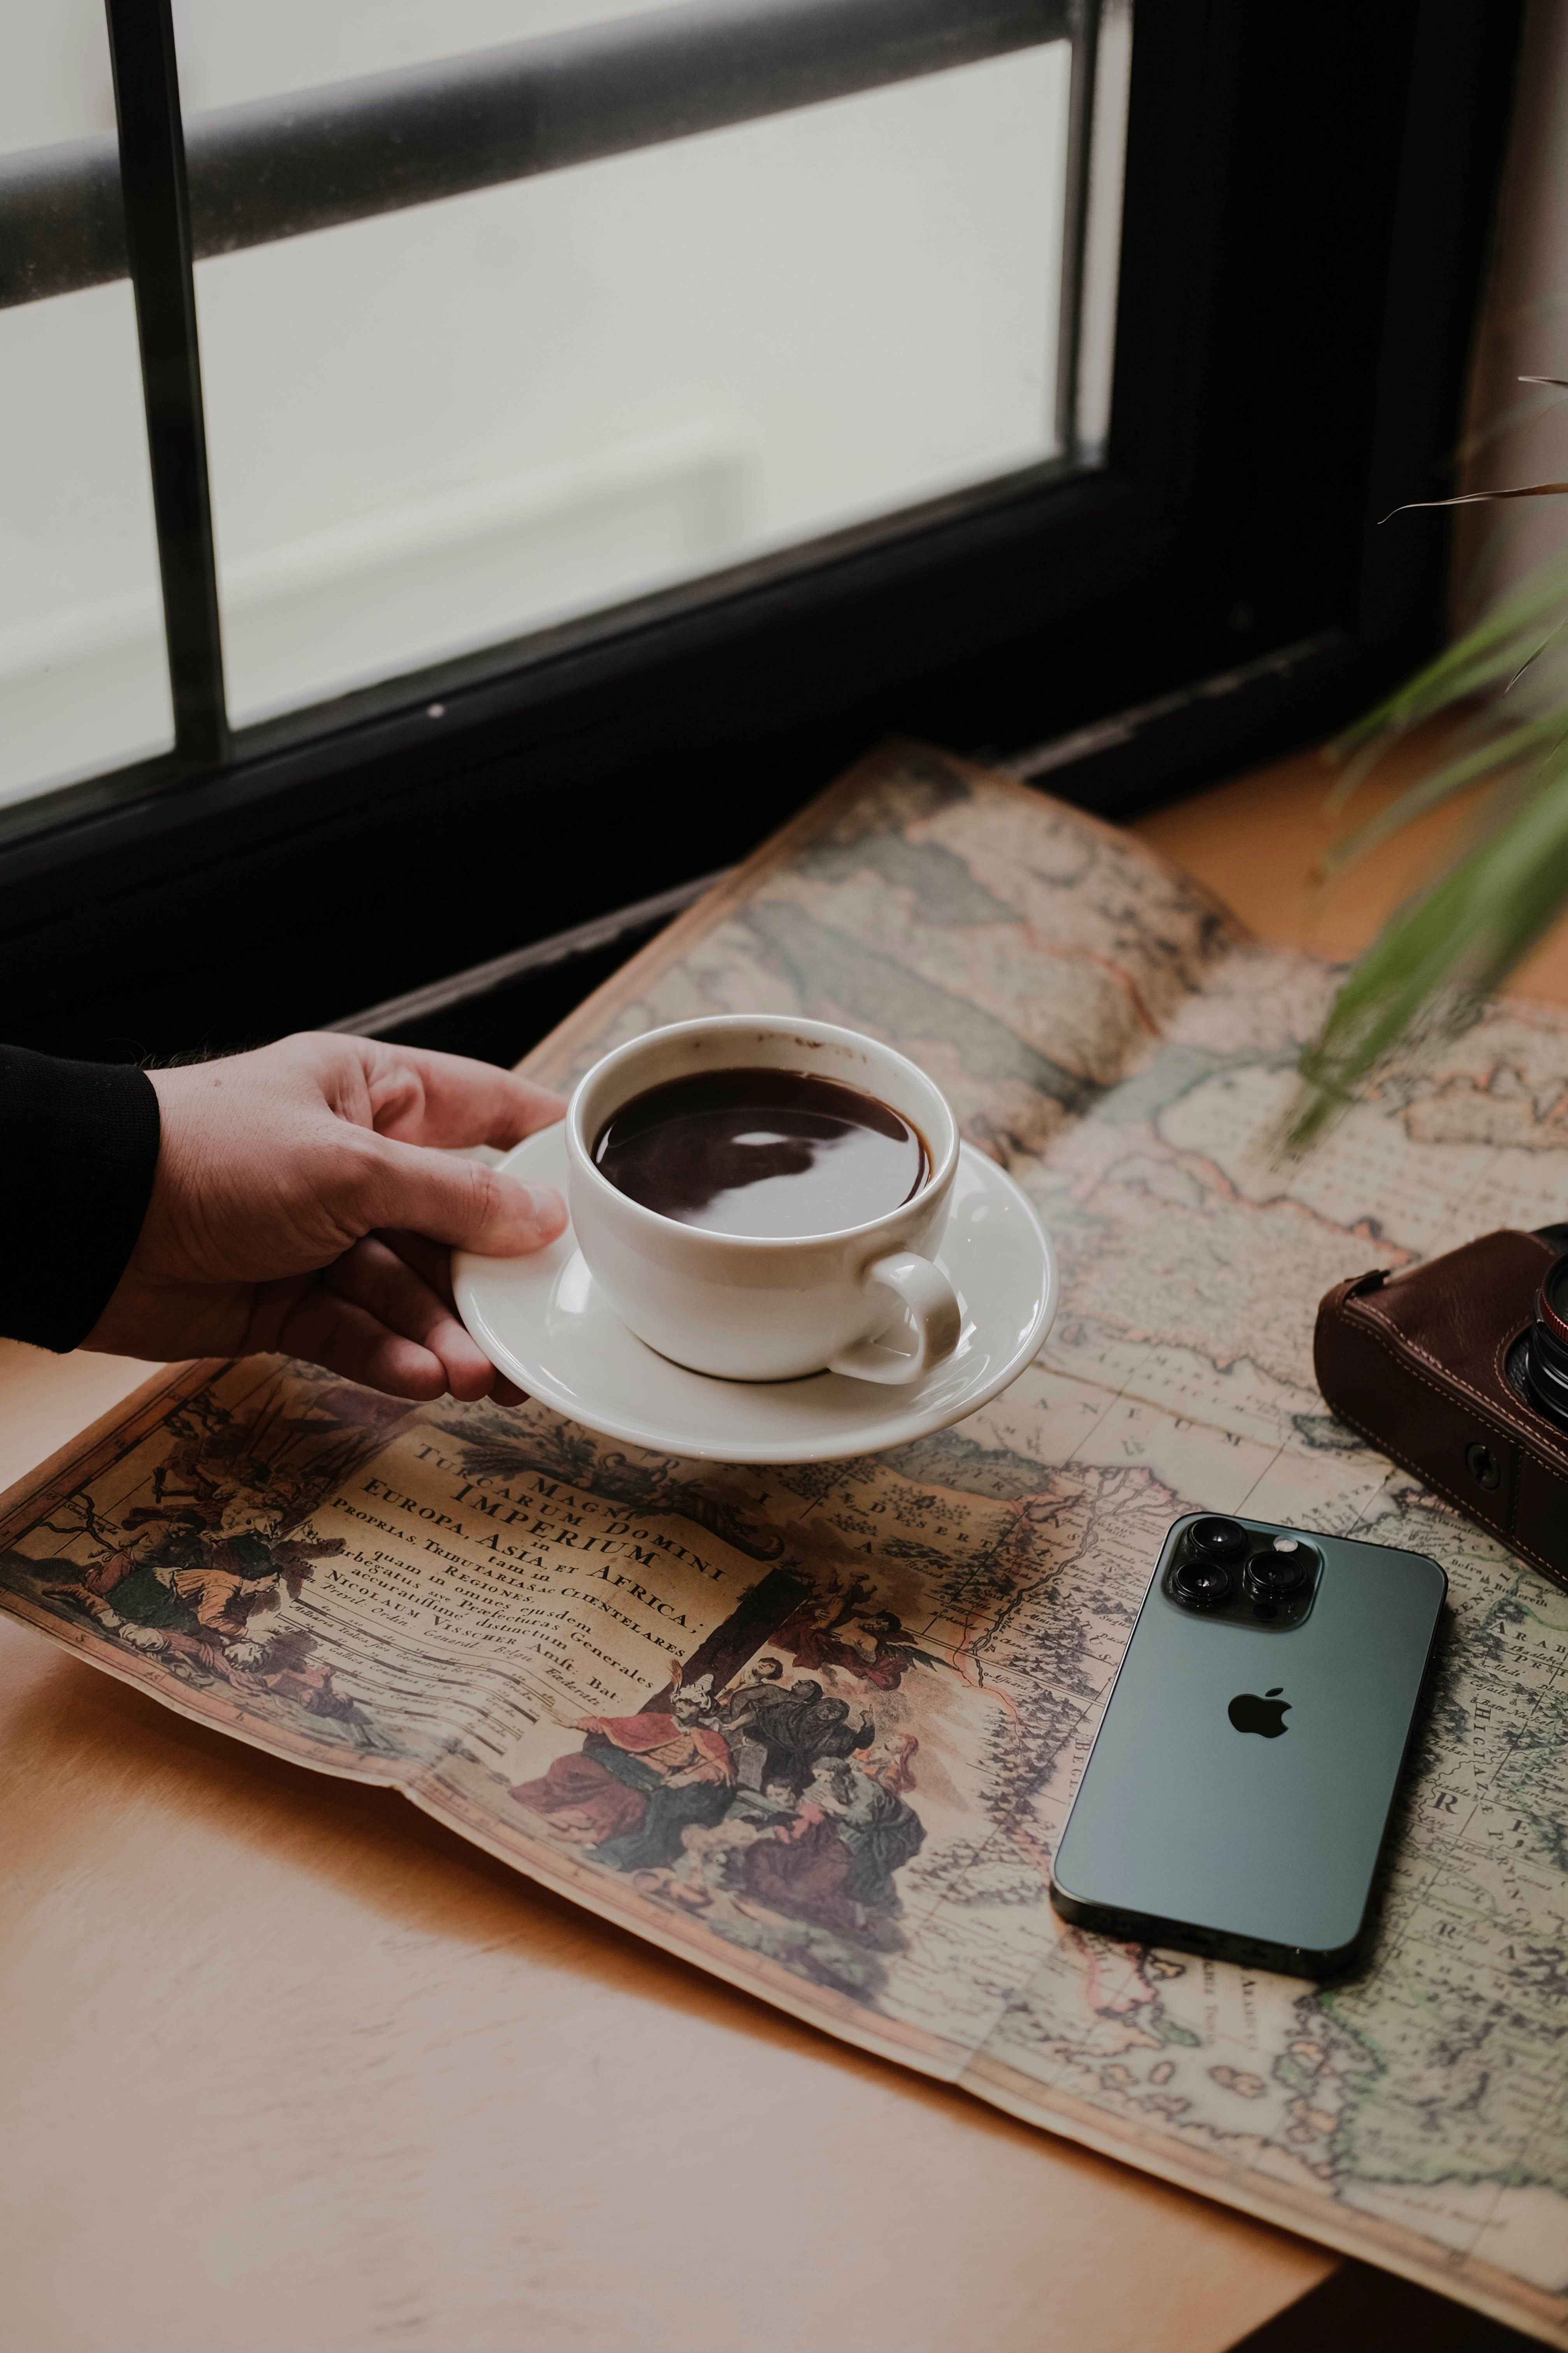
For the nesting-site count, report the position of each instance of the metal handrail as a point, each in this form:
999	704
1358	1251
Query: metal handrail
279	167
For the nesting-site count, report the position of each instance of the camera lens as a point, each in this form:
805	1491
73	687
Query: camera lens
1546	1351
1282	1569
1216	1540
1201	1583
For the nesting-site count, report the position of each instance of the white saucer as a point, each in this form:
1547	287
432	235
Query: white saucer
544	1322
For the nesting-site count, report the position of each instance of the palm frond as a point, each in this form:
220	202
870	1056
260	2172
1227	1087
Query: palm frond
1465	934
1491	651
1467	931
1496	757
1482	498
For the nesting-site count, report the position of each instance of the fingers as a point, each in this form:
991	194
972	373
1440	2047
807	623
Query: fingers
444	1098
430	1261
375	1277
327	1330
374	1318
434	1266
459	1202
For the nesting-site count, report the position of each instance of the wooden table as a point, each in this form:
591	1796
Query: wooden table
289	2067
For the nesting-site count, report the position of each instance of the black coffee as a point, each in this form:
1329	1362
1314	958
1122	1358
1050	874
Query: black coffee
768	1152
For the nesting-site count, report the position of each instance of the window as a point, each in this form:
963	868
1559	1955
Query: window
823	266
549	435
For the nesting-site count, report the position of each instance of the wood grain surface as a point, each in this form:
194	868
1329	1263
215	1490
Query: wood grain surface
1259	842
289	2069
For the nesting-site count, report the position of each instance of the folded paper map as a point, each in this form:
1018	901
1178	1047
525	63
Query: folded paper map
817	1728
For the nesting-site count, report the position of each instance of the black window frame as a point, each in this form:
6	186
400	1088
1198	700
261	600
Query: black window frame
1308	199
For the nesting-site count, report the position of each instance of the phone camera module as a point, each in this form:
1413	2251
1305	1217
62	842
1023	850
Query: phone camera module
1282	1570
1201	1584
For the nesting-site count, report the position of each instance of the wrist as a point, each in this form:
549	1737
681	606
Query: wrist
81	1141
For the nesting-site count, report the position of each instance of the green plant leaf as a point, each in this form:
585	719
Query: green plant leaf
1507	750
1466	932
1483	498
1495	651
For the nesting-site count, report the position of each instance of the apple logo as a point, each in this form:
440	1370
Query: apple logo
1265	1716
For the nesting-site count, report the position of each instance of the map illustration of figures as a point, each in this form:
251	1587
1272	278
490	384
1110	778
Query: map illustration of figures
817	1728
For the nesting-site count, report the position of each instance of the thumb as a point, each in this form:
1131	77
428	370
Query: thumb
462	1203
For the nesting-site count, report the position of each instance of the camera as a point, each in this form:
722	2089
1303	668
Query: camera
1541	1353
1458	1369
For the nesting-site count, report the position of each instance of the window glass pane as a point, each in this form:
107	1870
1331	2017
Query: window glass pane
231	50
448	425
83	681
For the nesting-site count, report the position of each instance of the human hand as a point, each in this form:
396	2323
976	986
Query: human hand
299	1206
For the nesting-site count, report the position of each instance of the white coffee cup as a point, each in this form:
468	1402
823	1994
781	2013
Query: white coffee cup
745	1307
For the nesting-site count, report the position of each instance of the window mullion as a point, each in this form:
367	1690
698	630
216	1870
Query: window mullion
158	244
1085	29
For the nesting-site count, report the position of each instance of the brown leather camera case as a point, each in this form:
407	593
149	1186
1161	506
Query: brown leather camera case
1417	1362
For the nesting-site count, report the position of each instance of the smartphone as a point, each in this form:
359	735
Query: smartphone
1238	1792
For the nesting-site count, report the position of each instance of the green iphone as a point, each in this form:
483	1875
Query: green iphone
1237	1793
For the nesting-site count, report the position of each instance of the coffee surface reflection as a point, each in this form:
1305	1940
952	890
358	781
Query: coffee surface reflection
771	1154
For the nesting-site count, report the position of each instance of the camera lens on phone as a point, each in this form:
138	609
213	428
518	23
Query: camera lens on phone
1218	1539
1201	1584
1283	1569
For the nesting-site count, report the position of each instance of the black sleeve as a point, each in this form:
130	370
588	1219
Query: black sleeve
78	1144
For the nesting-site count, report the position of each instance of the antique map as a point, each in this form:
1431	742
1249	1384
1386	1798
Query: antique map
817	1728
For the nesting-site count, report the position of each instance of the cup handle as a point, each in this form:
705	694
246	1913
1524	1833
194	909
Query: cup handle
932	1304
